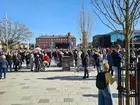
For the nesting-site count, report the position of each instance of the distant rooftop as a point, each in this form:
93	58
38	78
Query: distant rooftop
54	36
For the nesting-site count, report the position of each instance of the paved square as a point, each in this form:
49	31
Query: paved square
68	99
44	101
26	98
50	88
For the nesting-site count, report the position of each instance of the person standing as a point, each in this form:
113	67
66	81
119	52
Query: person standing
75	57
85	65
117	57
50	57
38	62
9	60
110	61
31	61
47	60
3	66
98	61
16	61
27	59
102	83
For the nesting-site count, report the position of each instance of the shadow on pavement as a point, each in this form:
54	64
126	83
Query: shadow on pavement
53	71
115	95
76	78
17	71
34	71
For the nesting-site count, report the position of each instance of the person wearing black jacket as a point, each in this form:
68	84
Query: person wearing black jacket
82	57
9	60
16	61
85	65
117	57
75	57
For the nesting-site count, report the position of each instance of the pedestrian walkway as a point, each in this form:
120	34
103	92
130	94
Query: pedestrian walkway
53	87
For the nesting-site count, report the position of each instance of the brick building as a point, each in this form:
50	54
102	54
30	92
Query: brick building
47	42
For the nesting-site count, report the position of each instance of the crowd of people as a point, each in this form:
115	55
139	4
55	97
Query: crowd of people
37	61
106	60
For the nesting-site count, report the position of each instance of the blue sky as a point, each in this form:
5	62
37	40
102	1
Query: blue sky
50	17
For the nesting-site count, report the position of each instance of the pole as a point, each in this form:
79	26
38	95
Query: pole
6	31
28	44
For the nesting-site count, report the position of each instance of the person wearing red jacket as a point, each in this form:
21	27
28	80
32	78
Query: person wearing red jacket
47	59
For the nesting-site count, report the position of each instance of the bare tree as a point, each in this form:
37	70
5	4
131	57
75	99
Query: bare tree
123	14
13	32
84	26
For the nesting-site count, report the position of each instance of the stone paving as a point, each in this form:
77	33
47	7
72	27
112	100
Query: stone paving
52	87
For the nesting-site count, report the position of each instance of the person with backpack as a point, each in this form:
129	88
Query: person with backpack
103	80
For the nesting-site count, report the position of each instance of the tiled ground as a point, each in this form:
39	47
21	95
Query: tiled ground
53	87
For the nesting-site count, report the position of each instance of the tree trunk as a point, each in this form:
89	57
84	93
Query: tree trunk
84	41
127	66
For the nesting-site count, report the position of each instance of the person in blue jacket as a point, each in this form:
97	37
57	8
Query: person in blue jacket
3	66
110	61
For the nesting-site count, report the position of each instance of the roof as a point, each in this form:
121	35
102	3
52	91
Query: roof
121	32
113	32
54	36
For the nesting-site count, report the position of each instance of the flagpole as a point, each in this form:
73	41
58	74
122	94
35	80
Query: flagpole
6	30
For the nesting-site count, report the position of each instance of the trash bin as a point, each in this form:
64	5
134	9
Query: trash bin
71	62
66	63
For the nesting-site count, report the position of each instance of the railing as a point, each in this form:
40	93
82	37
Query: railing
134	93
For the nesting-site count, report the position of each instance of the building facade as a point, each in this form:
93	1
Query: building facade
112	38
48	42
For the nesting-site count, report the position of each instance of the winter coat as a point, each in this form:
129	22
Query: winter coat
109	59
3	64
31	60
117	57
75	56
99	61
47	58
86	60
9	59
